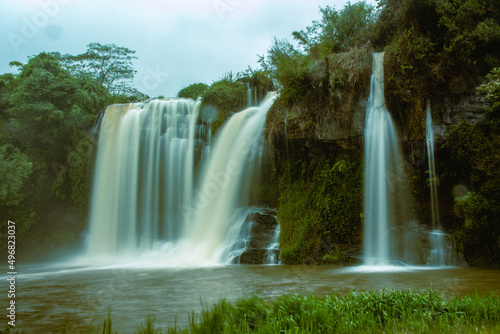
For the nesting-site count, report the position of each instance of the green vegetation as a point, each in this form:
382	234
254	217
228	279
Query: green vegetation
357	312
193	91
492	91
337	31
309	75
319	210
110	65
474	160
443	50
47	110
226	95
434	49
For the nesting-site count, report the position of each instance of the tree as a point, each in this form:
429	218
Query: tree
492	91
337	31
110	65
468	25
16	190
226	95
14	169
6	85
193	91
51	109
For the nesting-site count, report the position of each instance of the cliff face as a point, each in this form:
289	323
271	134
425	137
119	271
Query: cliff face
324	123
333	130
330	127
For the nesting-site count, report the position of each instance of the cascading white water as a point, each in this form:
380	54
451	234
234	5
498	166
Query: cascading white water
440	250
143	171
240	245
381	160
143	195
225	184
273	247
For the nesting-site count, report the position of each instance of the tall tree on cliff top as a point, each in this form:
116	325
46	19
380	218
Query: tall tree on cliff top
109	64
337	31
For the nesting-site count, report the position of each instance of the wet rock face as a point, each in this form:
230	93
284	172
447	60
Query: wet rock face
448	112
264	224
257	256
263	228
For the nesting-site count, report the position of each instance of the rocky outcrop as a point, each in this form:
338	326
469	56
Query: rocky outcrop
263	224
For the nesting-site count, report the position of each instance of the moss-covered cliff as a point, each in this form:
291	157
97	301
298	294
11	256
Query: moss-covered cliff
315	129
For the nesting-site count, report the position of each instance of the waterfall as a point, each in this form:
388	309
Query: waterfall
274	247
147	194
225	183
249	95
440	247
429	137
440	250
380	166
240	245
143	171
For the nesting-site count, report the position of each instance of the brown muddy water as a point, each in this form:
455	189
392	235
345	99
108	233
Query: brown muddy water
59	299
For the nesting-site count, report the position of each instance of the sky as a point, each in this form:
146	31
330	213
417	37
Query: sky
177	42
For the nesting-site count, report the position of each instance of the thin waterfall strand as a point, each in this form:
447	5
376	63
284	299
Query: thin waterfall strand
440	247
432	168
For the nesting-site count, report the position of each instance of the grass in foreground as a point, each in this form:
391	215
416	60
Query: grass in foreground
395	311
357	312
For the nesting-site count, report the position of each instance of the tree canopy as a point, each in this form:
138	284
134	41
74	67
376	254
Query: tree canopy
110	65
47	110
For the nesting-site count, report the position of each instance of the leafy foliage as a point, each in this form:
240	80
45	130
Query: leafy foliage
16	198
337	31
259	81
474	158
324	78
468	24
340	191
226	95
46	152
6	85
14	170
435	48
492	91
193	91
332	198
51	109
110	65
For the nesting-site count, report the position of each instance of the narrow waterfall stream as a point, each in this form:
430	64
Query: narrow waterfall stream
381	159
439	245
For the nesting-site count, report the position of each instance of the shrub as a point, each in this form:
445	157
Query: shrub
193	91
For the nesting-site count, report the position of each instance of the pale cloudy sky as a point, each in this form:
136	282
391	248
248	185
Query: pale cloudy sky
177	42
